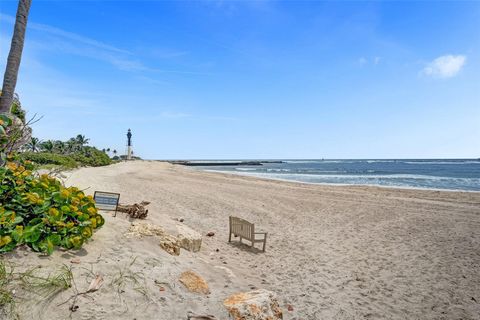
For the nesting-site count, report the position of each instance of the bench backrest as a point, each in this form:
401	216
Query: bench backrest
242	228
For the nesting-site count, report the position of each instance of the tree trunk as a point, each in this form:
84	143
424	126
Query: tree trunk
14	56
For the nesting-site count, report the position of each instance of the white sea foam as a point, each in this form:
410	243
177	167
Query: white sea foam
404	173
303	161
279	170
443	162
393	180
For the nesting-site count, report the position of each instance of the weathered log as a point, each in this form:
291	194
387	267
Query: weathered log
136	210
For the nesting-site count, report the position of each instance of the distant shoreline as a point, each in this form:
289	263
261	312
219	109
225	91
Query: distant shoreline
201	163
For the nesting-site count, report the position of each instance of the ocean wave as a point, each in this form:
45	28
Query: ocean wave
378	161
370	176
303	161
457	162
279	170
396	180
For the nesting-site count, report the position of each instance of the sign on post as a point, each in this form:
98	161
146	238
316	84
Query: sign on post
106	200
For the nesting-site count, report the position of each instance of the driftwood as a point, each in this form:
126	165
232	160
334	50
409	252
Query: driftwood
193	316
136	211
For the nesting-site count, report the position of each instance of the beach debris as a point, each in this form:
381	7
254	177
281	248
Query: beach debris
75	260
144	230
193	316
167	242
180	219
290	307
170	244
136	210
210	234
161	285
189	239
193	282
96	283
255	305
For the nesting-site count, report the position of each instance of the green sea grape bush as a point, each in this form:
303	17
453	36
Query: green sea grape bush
40	212
44	158
88	156
91	156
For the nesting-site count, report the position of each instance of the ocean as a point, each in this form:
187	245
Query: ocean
450	174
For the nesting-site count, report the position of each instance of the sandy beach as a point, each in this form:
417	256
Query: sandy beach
333	252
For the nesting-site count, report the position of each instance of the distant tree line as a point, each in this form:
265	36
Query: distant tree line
71	153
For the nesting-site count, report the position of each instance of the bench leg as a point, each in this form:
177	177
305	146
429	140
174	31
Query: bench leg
240	239
230	237
264	243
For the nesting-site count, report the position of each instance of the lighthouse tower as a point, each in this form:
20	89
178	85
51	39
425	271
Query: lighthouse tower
129	145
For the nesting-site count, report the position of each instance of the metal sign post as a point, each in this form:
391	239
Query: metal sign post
107	201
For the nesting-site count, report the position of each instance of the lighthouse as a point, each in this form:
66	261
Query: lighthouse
129	144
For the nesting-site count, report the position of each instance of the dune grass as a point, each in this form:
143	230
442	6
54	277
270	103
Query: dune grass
7	300
16	286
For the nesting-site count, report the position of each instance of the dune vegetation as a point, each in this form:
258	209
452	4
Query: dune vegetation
37	210
69	154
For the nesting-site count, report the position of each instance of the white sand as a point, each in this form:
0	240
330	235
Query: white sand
333	252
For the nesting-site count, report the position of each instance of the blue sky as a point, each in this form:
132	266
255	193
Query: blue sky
255	79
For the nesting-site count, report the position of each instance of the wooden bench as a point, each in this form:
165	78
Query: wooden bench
245	230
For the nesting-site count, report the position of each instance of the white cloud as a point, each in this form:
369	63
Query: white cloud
362	61
55	39
65	34
446	66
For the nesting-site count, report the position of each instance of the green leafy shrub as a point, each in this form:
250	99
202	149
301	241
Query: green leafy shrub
17	110
90	156
43	158
41	213
5	122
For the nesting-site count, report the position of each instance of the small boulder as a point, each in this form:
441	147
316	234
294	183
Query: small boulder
170	244
194	283
254	305
189	239
167	242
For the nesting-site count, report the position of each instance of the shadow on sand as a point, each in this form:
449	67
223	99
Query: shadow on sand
245	247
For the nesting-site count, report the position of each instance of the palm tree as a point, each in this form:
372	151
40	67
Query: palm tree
33	144
58	146
114	152
14	56
71	145
47	146
81	140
